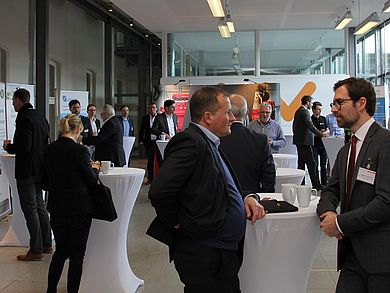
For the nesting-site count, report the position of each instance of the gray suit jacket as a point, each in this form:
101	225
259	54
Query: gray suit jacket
367	221
303	128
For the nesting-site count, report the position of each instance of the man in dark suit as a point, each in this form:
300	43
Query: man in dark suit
200	209
360	182
127	122
166	123
109	142
304	131
248	152
30	140
148	139
94	123
75	108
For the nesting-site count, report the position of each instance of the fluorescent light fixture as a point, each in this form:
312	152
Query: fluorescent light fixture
223	28
344	21
230	23
216	8
236	50
386	7
367	24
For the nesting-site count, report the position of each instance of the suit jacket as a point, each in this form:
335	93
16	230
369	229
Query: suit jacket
30	140
251	158
69	178
130	122
160	124
145	130
109	142
303	128
88	126
367	221
182	192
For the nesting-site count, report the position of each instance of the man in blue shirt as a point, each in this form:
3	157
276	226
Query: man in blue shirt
127	122
334	129
271	128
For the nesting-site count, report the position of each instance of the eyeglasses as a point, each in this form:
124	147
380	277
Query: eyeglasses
338	103
263	112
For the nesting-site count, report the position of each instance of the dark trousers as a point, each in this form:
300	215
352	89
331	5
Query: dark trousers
305	156
35	213
71	236
353	278
150	149
205	269
321	152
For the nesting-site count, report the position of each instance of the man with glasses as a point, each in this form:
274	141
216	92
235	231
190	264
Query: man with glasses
271	128
360	183
304	131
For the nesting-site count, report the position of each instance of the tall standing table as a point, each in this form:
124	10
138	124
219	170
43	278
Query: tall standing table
106	265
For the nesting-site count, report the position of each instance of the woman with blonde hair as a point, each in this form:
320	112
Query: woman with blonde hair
70	177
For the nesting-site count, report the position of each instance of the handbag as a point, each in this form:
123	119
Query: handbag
103	205
277	206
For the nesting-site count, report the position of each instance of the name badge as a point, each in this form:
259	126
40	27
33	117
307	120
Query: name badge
366	175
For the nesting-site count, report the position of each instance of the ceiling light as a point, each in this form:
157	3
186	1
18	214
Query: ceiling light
344	21
223	28
230	23
216	8
367	24
131	23
109	6
386	7
236	50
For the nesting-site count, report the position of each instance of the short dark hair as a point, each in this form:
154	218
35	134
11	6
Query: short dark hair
305	99
123	106
168	103
73	102
357	88
315	104
23	95
90	105
203	100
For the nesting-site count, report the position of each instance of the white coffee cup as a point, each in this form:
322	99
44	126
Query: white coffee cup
289	192
106	166
304	194
162	137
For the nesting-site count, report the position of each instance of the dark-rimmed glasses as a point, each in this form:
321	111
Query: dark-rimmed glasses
338	103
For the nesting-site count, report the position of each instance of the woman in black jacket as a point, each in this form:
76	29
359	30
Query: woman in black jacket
70	177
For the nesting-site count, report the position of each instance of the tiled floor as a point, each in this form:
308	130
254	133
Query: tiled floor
148	259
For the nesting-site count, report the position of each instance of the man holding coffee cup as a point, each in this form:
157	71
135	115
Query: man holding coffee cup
201	213
360	183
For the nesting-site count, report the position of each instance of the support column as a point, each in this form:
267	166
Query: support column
257	53
164	54
350	51
108	68
42	59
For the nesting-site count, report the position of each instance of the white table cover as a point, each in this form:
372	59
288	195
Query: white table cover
17	234
289	148
279	251
288	175
128	143
161	146
332	145
286	160
106	265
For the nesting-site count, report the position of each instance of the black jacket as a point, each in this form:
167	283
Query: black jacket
31	138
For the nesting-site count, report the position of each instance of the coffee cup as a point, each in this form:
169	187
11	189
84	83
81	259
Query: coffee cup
162	137
106	166
289	192
305	194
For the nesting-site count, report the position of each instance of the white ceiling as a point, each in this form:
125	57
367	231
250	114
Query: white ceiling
318	16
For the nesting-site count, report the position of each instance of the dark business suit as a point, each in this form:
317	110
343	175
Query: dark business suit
191	190
365	223
251	158
304	131
70	179
30	140
88	131
149	144
109	142
160	124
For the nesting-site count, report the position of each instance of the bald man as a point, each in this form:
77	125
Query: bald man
248	152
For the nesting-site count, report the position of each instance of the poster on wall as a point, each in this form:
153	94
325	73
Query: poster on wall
3	130
9	108
382	105
67	96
